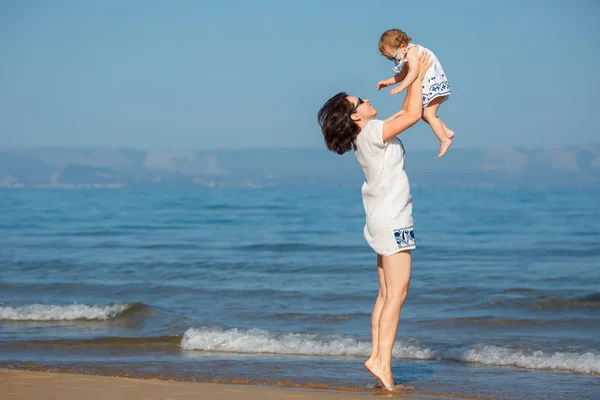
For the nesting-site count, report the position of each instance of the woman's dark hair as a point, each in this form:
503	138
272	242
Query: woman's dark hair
339	131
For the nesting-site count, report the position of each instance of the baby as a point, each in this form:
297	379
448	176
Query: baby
396	46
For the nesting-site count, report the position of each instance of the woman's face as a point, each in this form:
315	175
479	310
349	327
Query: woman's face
364	111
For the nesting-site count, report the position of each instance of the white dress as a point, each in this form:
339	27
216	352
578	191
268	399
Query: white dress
435	82
386	192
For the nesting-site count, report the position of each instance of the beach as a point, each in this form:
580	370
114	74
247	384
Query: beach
28	385
275	288
219	200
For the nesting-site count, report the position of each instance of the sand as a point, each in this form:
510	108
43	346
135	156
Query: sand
29	385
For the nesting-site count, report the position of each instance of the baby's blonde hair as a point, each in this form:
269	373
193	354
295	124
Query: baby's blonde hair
393	38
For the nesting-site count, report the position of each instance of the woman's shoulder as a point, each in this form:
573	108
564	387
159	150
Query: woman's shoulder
374	124
371	133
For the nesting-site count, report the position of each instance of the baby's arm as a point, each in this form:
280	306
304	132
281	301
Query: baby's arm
413	70
393	80
414	108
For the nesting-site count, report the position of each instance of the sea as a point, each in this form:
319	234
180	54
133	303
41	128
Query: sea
275	287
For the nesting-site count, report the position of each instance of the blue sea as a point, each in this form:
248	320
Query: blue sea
276	287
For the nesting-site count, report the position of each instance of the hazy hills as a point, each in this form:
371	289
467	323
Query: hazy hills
499	167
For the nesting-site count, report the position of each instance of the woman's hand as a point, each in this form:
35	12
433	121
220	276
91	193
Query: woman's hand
424	64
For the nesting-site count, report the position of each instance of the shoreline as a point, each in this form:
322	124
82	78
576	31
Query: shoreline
28	385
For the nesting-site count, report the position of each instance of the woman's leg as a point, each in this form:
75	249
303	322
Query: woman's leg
396	271
437	126
375	319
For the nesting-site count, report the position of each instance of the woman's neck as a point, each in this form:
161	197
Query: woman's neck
363	122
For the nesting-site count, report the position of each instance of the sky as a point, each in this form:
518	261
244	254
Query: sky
152	74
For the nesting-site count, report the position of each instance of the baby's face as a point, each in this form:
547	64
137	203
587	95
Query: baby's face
390	52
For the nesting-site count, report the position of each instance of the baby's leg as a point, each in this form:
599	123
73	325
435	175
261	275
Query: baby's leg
449	132
438	127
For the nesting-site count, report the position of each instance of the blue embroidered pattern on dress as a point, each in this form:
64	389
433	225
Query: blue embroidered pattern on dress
405	237
436	90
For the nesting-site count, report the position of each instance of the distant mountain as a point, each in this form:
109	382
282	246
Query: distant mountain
112	167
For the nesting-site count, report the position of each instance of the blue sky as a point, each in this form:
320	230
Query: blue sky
198	74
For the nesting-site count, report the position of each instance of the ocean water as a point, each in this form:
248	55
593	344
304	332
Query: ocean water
276	286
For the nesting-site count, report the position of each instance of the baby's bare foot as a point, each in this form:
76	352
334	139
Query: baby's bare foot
444	146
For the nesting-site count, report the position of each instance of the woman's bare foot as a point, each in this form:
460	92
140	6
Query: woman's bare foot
385	381
444	146
449	133
369	365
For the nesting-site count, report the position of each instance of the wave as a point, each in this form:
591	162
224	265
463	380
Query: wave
495	322
587	363
549	303
45	312
256	341
292	247
308	317
143	343
540	252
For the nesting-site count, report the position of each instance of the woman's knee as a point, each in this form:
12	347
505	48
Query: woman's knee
397	294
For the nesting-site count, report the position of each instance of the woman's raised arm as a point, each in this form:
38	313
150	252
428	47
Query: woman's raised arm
415	104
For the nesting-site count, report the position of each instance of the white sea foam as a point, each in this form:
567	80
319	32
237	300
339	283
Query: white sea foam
588	363
259	341
43	312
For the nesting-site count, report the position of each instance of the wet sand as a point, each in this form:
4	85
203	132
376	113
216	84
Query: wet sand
29	385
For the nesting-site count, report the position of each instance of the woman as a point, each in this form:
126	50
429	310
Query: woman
348	122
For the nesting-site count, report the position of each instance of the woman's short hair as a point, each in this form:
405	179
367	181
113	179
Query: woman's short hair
339	130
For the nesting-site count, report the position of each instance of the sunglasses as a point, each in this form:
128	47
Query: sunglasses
358	103
393	57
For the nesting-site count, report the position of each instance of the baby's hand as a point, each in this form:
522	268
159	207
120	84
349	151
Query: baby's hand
395	91
383	83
